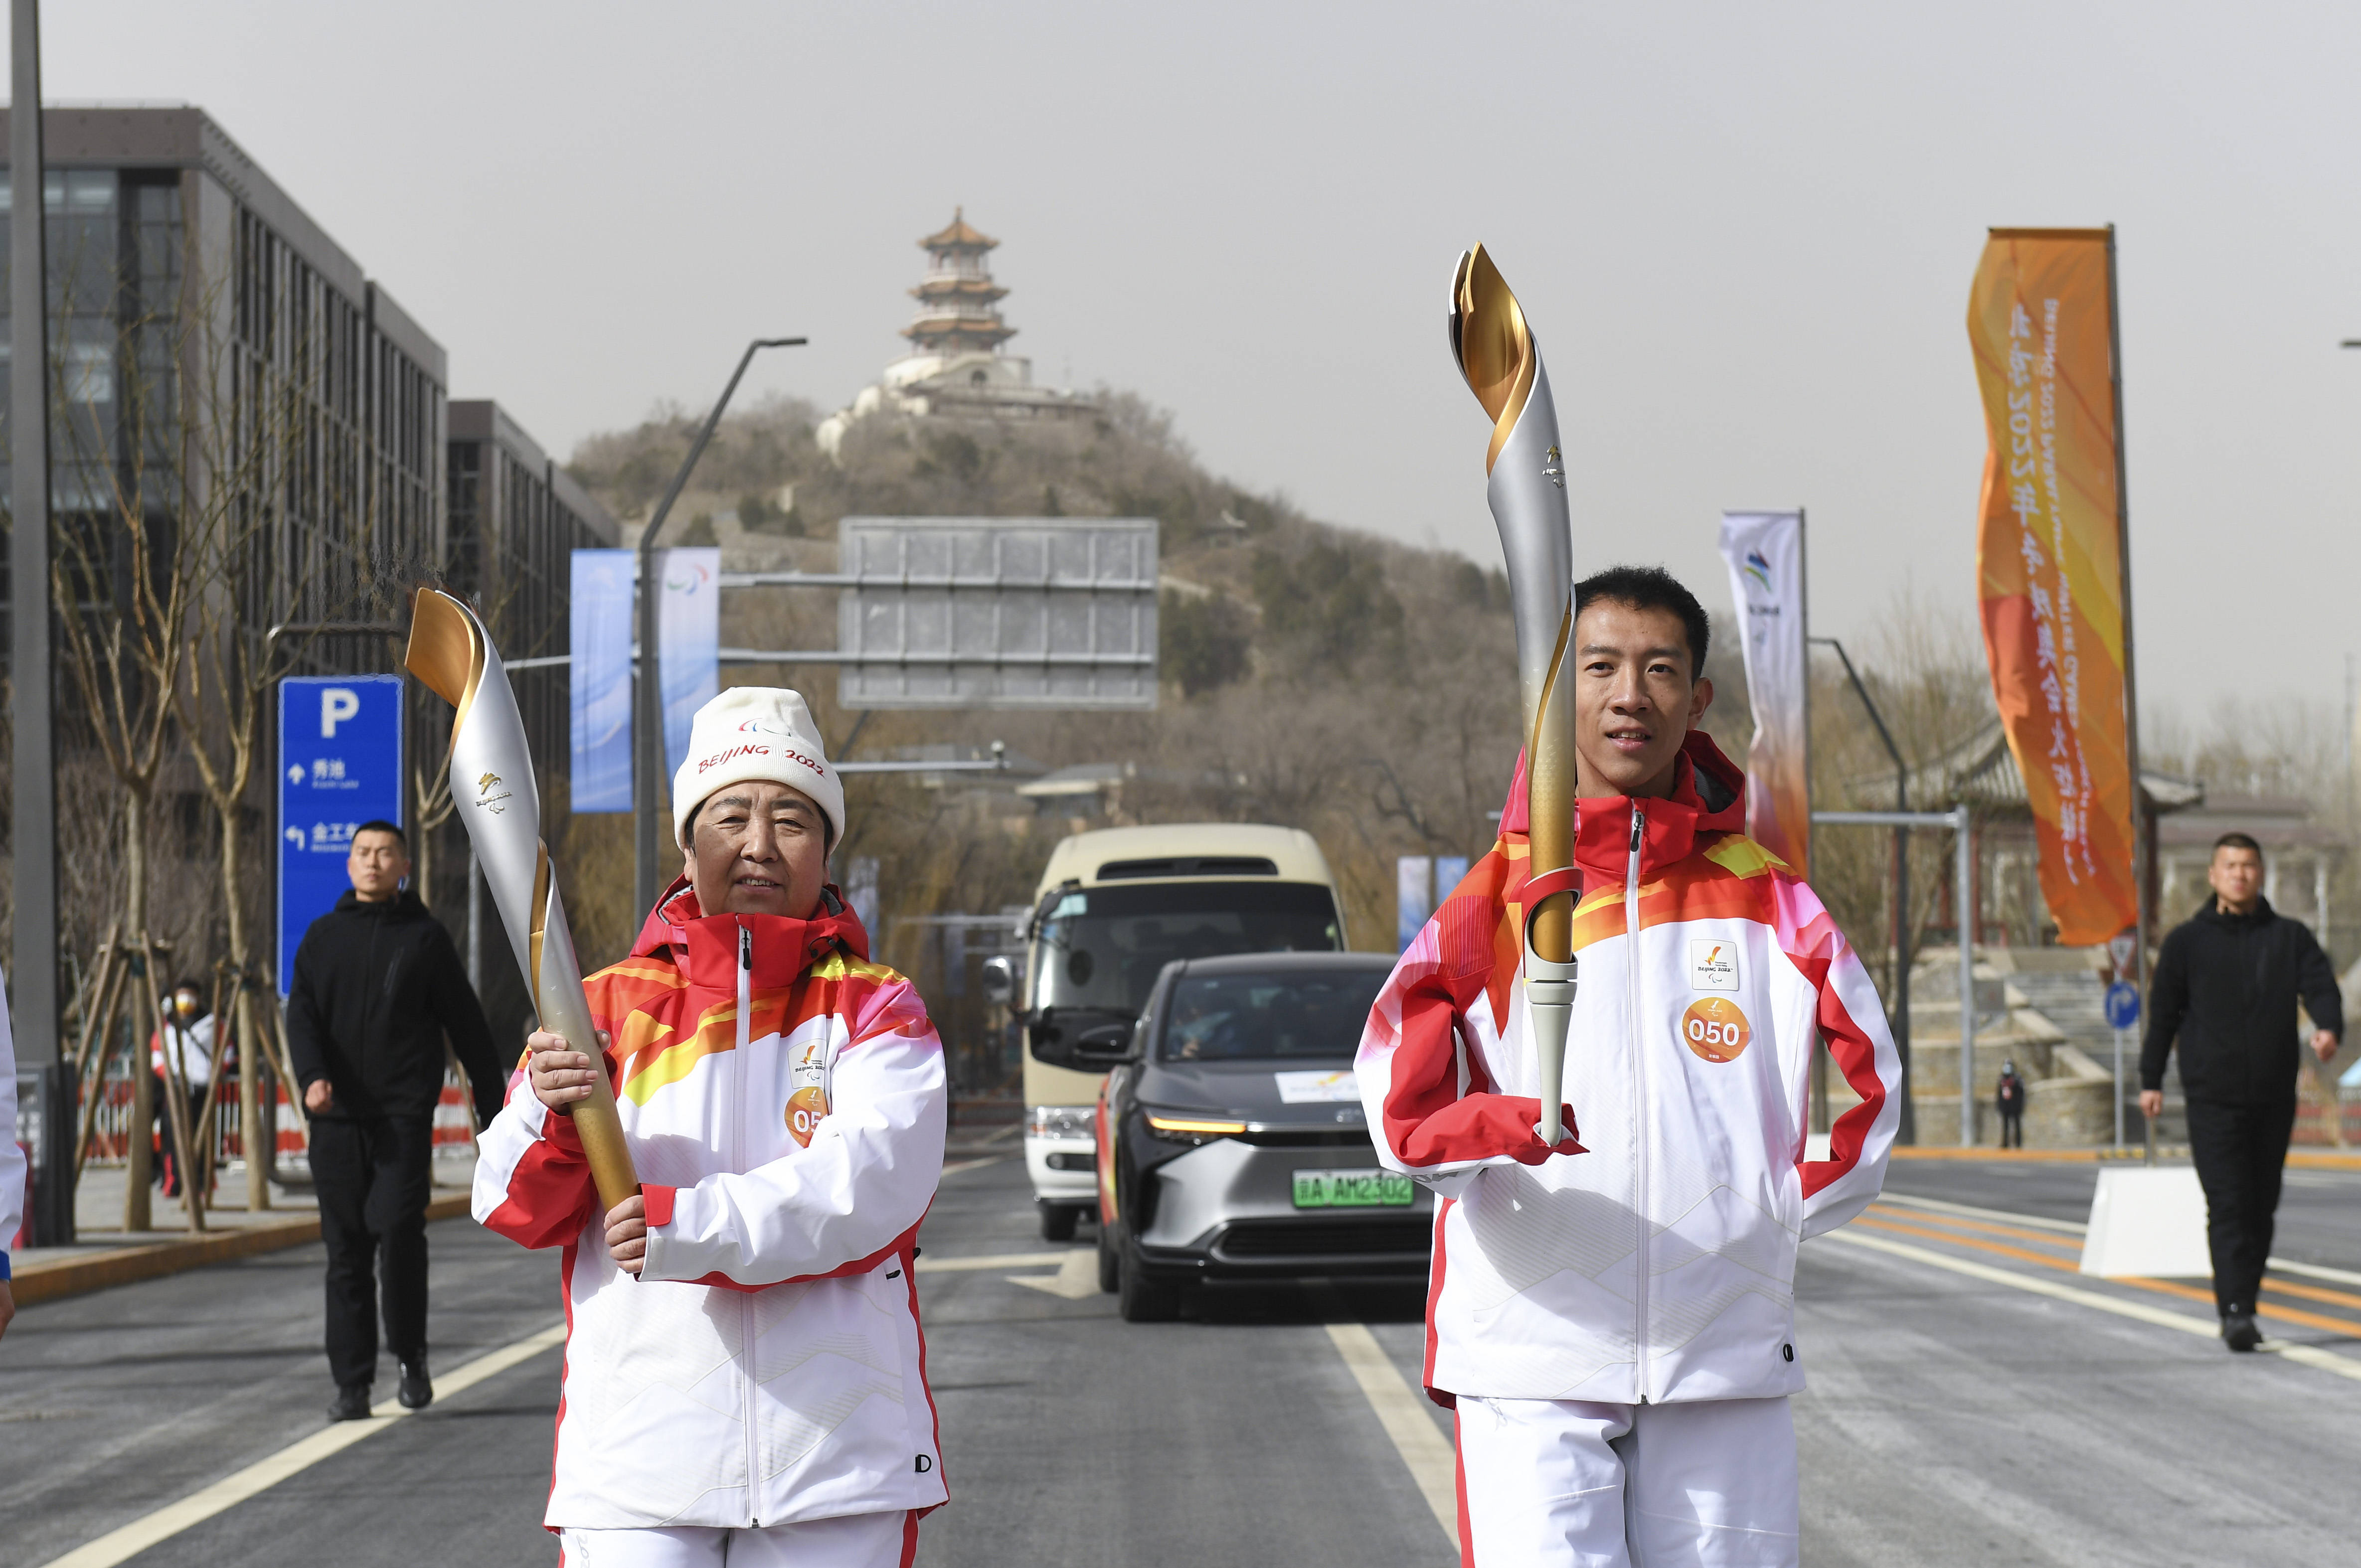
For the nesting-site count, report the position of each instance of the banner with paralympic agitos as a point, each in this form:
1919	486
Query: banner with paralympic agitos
2050	561
1764	552
598	616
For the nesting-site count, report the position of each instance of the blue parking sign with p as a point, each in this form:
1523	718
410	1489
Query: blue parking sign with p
339	766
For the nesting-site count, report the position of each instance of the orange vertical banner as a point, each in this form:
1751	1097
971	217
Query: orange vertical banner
2050	568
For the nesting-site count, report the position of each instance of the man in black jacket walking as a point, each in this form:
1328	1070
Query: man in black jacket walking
377	987
2225	988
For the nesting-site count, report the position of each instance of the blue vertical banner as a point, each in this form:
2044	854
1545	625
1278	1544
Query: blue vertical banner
1450	871
1413	897
600	636
689	634
339	766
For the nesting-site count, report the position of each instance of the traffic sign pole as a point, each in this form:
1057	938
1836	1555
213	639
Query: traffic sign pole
2122	1017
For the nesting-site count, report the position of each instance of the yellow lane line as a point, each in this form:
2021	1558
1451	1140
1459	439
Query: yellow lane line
1401	1410
2205	1328
2045	1237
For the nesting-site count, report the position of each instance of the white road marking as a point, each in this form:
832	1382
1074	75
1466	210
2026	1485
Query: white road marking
994	1260
959	1165
128	1541
2205	1328
1401	1410
2070	1227
2064	1227
1077	1278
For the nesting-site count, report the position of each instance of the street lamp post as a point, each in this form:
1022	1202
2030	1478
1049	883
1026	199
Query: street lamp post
45	1091
1908	1132
647	739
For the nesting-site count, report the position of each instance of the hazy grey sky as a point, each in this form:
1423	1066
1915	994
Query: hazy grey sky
1744	233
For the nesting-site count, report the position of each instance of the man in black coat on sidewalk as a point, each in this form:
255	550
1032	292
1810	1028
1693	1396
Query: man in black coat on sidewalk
377	987
2225	988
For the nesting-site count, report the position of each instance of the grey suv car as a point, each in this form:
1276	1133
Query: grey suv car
1231	1147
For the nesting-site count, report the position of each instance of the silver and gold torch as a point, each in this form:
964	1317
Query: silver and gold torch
492	780
1497	353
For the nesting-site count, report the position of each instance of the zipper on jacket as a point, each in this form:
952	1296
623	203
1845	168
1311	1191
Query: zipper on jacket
1640	1093
737	1164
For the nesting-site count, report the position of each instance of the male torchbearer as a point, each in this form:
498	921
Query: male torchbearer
744	1375
1613	1320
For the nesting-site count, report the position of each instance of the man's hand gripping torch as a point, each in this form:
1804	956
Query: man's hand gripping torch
1496	353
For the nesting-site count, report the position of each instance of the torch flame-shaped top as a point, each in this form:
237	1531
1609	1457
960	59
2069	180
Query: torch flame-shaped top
1492	344
447	651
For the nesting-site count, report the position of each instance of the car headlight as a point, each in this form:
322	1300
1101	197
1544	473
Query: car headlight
1060	1122
1186	1127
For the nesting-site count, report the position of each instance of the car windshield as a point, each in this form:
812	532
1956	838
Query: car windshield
1272	1013
1103	946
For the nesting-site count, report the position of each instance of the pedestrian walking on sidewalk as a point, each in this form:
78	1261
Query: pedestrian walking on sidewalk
2010	1101
188	1038
377	987
2224	992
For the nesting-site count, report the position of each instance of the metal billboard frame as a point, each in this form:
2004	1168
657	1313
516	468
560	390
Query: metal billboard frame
975	612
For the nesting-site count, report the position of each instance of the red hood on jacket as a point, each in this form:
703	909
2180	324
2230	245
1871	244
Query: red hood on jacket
705	946
1602	845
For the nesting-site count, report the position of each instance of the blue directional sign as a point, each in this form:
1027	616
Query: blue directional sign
2123	1005
339	766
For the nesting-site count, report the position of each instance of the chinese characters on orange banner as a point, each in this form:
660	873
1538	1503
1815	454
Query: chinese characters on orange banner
2050	564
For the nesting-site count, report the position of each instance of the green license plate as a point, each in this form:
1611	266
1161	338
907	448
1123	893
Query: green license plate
1352	1189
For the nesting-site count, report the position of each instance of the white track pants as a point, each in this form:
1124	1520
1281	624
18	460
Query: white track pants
1557	1482
851	1540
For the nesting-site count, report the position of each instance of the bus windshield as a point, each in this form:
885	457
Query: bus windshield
1102	948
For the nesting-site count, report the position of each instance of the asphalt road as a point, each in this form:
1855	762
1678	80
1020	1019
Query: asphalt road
1952	1417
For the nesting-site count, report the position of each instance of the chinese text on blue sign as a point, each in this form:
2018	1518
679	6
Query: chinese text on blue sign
339	766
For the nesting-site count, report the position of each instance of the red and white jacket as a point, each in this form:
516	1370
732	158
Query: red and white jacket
1659	1264
784	1101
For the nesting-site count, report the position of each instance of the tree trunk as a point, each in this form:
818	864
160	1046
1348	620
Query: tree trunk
260	1143
142	1160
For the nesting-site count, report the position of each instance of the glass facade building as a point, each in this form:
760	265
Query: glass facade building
225	374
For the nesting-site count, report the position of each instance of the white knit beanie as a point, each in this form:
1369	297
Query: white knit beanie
756	732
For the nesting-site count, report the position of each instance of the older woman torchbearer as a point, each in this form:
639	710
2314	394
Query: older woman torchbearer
743	1371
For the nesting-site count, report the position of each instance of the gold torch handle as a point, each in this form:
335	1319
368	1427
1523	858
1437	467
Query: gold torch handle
565	1009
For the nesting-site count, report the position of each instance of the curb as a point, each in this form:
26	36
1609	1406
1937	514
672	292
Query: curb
2299	1158
52	1280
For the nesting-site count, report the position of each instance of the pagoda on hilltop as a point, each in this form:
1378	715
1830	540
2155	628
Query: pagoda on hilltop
955	368
958	304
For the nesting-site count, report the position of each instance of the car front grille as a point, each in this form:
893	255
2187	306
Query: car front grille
1404	1239
1351	1136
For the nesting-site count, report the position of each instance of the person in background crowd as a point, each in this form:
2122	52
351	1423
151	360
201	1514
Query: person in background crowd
2011	1100
377	986
13	1167
2224	991
189	1037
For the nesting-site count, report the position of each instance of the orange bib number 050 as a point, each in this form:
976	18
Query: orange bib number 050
804	1109
1715	1029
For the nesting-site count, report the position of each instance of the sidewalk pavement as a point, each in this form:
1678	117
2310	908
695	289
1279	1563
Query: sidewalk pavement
104	1253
